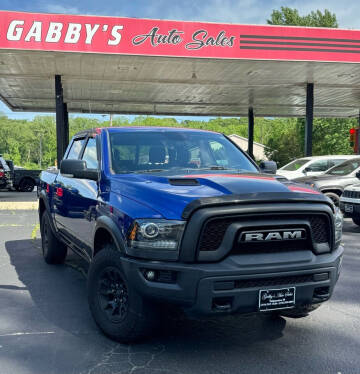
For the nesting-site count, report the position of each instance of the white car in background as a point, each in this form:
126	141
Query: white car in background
311	166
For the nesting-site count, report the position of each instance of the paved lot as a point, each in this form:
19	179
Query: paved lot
46	327
14	196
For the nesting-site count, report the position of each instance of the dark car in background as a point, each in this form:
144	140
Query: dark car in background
5	175
335	180
23	180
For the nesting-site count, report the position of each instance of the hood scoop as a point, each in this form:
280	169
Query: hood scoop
184	182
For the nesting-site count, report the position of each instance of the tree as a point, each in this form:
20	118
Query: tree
291	17
329	135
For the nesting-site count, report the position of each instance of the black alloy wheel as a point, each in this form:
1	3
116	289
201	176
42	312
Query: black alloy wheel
27	185
113	295
118	309
356	220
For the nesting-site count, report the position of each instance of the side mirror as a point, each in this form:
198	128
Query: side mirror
357	174
306	170
268	167
78	169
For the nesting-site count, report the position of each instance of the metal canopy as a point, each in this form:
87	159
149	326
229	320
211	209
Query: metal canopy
139	66
98	83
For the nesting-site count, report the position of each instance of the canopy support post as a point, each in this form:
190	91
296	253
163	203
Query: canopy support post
60	120
309	118
66	127
251	132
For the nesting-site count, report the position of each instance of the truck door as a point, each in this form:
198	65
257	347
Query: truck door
85	191
76	201
64	204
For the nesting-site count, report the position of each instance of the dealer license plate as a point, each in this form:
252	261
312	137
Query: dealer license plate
349	208
283	298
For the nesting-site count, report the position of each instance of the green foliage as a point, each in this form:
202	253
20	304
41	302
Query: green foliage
287	137
331	135
291	17
20	139
284	141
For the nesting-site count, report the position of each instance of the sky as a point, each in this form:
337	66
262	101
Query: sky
228	11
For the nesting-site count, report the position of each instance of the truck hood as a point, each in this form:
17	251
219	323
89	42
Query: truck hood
168	195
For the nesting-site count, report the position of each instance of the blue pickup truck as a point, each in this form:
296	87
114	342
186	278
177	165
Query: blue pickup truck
184	217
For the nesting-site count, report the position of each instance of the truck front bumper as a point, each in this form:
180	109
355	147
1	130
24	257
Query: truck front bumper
233	285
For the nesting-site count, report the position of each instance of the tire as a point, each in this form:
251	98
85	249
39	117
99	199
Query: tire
119	311
54	251
299	312
27	185
334	197
356	220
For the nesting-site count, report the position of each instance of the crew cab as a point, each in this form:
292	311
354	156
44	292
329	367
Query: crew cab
184	217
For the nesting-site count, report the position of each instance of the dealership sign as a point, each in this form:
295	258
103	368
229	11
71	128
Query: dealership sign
114	35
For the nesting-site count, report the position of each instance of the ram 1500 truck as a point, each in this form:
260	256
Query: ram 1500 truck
184	217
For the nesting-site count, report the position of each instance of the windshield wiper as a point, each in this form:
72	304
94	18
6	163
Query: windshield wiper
149	171
222	168
215	167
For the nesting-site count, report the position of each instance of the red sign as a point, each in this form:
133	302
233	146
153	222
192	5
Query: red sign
114	35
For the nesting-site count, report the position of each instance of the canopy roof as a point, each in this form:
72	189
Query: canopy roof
124	65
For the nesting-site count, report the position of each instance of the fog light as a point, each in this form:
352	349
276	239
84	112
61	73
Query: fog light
150	275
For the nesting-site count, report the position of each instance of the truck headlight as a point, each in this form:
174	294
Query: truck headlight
338	221
156	234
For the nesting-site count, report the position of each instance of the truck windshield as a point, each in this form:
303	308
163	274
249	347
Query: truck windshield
157	151
345	168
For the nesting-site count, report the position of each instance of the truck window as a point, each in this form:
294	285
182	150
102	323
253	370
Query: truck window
90	154
75	149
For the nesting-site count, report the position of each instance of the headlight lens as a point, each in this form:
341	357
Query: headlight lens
338	220
156	234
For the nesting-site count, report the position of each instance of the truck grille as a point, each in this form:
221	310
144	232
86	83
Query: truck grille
351	194
214	230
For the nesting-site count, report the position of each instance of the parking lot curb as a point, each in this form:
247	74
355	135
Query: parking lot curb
18	205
